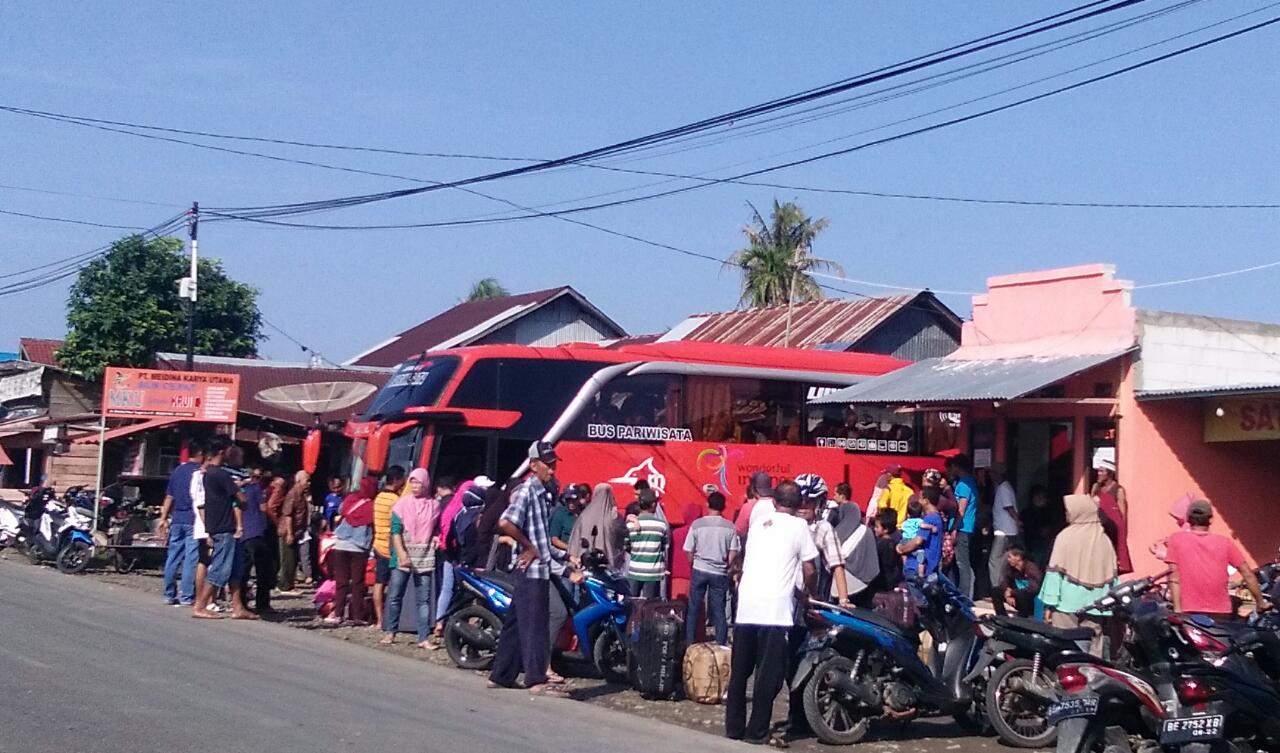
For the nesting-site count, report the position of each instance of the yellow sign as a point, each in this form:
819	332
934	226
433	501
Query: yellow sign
1243	419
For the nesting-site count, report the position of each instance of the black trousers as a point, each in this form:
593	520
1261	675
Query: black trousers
1026	603
260	556
761	651
523	643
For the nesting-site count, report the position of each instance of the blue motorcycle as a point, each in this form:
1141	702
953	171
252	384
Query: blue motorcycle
598	617
859	665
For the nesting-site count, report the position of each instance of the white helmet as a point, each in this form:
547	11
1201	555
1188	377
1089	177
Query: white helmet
812	486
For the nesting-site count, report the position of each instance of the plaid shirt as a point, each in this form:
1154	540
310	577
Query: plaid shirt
530	511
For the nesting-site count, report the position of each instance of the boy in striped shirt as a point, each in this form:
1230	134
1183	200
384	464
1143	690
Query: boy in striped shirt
647	539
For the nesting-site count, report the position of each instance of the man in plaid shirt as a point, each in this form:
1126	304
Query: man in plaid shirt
523	643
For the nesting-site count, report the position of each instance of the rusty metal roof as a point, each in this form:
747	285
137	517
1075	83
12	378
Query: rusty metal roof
812	324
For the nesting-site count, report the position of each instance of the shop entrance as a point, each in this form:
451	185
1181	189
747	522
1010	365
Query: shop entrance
1041	453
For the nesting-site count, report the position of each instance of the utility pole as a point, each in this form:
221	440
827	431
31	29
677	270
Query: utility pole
187	287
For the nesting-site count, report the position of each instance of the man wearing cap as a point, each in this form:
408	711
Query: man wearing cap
1005	523
1199	559
523	644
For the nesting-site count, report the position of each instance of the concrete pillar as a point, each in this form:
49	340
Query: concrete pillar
1079	447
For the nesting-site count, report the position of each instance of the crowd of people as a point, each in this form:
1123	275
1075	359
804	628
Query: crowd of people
790	540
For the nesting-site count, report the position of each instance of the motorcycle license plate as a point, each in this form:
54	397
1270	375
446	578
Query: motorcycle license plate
1070	708
1191	729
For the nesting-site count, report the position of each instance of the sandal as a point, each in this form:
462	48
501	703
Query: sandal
554	679
549	691
388	639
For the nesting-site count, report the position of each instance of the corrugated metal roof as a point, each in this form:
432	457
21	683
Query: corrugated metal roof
257	375
1213	391
944	380
812	324
39	351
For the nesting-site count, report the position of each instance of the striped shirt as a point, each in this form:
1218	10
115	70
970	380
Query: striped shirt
647	543
382	506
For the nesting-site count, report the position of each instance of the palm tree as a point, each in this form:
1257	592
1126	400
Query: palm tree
487	288
778	260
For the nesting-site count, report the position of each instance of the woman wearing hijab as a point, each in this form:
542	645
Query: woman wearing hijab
1081	569
348	559
413	557
858	549
600	526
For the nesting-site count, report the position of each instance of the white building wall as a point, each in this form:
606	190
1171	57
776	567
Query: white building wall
1185	351
562	321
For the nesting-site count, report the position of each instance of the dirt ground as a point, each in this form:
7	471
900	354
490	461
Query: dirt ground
926	736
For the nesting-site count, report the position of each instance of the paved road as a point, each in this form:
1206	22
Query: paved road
96	668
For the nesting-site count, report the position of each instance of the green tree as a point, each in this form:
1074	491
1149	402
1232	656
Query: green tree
777	263
124	308
487	288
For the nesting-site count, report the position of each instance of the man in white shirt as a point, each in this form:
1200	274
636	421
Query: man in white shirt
1005	522
781	554
204	551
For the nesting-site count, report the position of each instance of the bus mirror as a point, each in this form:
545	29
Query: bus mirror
311	451
375	452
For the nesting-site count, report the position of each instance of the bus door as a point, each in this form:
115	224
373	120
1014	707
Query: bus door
462	454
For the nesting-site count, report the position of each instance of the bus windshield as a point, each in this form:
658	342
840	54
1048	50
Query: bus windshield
415	383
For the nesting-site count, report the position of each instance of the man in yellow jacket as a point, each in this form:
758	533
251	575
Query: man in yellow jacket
897	495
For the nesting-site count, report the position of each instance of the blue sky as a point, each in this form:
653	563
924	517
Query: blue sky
542	80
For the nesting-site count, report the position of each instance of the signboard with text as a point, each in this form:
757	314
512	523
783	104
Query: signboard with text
156	393
1242	419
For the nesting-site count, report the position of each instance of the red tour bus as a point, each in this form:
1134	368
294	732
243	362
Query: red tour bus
682	415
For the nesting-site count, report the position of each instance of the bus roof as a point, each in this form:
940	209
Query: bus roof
834	362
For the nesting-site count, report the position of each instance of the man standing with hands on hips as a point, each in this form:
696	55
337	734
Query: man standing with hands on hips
523	643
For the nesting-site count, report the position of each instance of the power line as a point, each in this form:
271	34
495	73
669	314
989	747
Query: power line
968	48
90	196
264	217
1202	278
60	269
68	221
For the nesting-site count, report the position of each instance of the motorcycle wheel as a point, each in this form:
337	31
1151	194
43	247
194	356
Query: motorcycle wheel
33	553
834	719
464	653
1019	718
610	657
74	557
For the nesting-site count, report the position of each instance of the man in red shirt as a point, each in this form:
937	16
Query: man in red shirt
1199	560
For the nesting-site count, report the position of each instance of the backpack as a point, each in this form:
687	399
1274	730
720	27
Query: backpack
706	672
462	534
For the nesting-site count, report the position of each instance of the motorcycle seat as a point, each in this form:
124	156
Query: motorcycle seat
1028	625
879	620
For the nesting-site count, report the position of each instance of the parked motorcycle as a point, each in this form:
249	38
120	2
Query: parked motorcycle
1118	709
1229	702
1020	657
56	531
858	666
474	620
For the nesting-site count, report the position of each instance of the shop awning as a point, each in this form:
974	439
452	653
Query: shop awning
949	380
124	431
1242	390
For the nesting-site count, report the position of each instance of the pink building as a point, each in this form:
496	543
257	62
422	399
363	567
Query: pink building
1057	368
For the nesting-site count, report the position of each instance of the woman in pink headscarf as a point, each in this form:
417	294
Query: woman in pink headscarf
413	557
